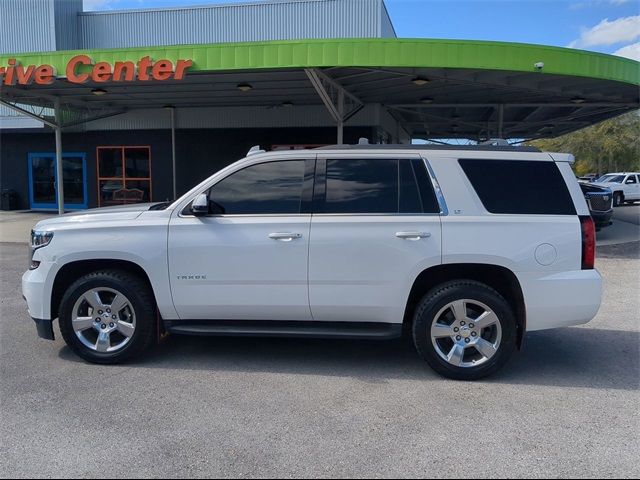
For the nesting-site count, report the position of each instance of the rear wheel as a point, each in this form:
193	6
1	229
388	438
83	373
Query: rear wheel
108	317
618	199
465	330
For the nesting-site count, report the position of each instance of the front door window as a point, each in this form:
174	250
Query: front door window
273	188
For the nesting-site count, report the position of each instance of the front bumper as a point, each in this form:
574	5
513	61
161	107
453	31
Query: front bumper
602	219
34	291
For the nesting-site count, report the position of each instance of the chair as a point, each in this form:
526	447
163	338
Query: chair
127	196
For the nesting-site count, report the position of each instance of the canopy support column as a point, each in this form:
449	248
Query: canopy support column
59	170
172	112
341	104
341	121
500	121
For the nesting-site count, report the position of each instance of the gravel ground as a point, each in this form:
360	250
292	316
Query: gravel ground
567	406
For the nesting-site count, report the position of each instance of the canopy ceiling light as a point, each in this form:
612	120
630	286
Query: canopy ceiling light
99	91
420	81
245	87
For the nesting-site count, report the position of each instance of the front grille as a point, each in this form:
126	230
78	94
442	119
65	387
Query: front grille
599	204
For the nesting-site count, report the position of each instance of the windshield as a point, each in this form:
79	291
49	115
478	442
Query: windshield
611	178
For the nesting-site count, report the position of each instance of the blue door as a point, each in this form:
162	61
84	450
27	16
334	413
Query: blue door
43	181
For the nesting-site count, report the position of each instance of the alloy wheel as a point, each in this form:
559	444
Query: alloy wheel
466	333
104	320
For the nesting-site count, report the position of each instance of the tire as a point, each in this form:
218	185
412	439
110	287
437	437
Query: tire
435	317
120	335
618	198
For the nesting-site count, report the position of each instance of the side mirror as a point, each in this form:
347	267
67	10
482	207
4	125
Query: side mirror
200	205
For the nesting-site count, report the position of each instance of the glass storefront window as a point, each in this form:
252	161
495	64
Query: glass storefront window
43	181
136	162
110	162
138	191
124	175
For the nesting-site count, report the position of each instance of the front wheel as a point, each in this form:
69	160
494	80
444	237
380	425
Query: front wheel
465	330
108	317
618	199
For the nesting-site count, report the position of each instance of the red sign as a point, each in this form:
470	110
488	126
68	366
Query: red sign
81	69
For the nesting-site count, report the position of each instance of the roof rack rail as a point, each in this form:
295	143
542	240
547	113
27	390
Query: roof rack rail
472	148
255	150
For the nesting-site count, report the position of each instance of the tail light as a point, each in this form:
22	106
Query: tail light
588	228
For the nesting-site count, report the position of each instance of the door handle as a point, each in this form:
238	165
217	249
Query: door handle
284	237
414	236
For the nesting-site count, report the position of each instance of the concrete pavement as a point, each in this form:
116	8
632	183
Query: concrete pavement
628	213
566	406
15	226
625	228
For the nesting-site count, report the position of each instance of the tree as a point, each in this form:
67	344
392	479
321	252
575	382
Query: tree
609	146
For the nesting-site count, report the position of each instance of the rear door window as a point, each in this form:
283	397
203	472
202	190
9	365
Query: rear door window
519	186
362	186
376	186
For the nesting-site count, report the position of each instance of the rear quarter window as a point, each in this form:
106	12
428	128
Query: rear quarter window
519	186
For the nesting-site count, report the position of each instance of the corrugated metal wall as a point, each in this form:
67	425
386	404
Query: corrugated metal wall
67	24
27	26
7	112
46	25
232	117
278	20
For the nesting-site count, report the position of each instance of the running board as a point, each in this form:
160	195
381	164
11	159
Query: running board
266	328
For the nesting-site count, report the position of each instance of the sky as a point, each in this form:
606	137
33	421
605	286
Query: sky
607	26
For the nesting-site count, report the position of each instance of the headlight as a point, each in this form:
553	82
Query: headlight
38	240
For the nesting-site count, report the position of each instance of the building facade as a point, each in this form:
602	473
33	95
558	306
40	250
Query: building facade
127	158
146	103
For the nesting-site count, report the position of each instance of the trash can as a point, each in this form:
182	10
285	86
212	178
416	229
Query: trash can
9	200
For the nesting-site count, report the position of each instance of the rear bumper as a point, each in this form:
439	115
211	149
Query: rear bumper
561	299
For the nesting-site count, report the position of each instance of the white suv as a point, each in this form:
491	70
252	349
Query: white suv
457	247
625	186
